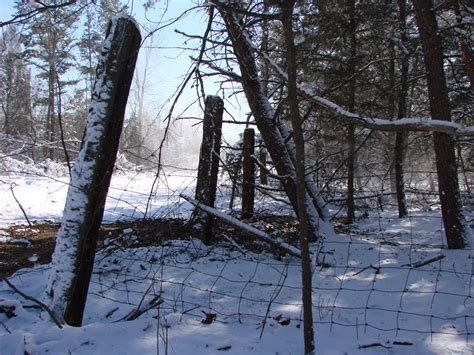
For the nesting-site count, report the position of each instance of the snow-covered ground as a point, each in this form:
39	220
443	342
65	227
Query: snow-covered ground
370	296
42	195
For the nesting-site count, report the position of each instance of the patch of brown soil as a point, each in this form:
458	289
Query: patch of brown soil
35	243
39	240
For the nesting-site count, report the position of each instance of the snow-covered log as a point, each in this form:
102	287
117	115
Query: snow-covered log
277	242
74	254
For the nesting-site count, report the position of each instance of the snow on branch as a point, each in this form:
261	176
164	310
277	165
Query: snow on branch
381	124
241	225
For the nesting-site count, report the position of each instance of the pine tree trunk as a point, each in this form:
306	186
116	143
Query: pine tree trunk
351	128
73	258
451	206
262	158
401	137
466	50
302	198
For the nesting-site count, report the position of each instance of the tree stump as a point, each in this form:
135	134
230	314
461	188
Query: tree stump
248	173
208	169
262	157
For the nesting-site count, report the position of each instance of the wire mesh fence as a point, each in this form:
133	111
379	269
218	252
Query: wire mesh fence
379	278
373	283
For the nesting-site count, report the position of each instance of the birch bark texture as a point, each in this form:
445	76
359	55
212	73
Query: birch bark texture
208	169
73	257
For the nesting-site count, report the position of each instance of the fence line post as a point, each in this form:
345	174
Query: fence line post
248	173
208	169
74	254
262	157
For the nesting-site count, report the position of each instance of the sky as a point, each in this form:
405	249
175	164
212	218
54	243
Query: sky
173	63
168	64
6	9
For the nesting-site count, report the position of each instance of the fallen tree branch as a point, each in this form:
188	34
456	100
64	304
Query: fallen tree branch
6	328
426	262
143	306
32	299
277	242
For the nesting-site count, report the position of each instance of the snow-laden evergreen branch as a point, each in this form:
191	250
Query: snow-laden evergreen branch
381	124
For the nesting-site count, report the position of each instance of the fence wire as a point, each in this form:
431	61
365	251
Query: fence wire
368	285
379	277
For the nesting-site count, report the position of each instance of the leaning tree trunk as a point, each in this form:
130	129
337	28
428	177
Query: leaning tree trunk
264	115
457	232
73	257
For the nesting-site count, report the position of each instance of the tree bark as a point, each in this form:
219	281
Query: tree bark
264	116
248	173
457	232
73	258
401	137
302	198
464	42
351	127
208	168
262	158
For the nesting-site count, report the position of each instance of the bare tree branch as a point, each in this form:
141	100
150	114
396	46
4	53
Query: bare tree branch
22	17
32	299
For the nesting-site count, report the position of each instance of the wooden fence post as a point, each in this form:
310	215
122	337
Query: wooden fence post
248	173
208	169
73	258
262	157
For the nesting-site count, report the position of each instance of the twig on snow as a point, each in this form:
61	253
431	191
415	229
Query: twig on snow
426	262
32	299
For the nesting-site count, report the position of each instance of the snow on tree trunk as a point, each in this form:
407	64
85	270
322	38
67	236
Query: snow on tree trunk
264	118
208	169
248	173
74	254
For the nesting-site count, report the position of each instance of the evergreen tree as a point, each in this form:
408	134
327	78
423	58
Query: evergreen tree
14	85
48	40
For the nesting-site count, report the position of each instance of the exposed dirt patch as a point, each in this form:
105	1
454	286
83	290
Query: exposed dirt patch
22	246
26	246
